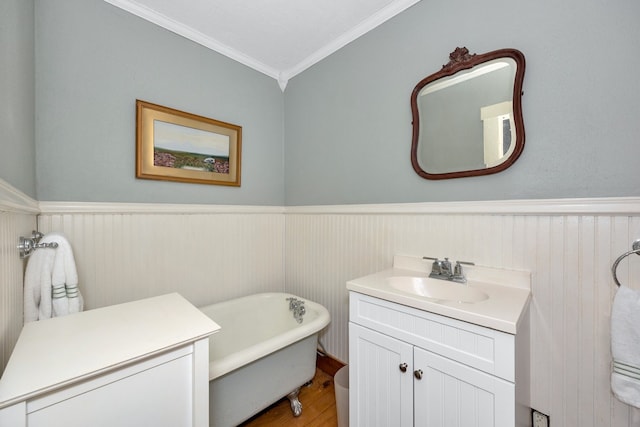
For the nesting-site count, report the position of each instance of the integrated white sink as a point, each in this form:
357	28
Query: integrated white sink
435	289
493	298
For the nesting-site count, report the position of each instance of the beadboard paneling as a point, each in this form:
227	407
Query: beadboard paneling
17	218
210	255
207	257
569	256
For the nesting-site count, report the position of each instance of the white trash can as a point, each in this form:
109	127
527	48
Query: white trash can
341	385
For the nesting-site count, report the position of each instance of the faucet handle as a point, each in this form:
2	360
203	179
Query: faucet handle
459	264
293	302
457	270
445	266
436	267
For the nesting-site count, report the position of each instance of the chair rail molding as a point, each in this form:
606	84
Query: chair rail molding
573	206
14	200
151	208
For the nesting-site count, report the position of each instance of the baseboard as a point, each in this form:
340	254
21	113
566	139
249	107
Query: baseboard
328	364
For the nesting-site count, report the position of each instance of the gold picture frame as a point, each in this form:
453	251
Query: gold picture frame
172	145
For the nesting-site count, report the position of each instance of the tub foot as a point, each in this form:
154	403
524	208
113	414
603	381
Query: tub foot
296	406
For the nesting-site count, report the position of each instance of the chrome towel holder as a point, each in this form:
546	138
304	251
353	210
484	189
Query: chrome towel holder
29	244
635	249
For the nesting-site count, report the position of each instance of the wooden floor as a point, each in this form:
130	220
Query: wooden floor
318	407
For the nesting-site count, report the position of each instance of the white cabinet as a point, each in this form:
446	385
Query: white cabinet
413	368
157	392
381	394
452	394
143	363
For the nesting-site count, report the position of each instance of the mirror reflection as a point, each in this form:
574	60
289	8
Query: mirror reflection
467	117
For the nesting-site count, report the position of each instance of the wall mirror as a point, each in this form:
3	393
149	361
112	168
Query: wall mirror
467	117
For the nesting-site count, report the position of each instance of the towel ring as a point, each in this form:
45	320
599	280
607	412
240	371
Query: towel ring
635	249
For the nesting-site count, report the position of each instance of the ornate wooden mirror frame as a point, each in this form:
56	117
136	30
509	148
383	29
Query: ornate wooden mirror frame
461	64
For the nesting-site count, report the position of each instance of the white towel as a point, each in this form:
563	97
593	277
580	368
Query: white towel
625	346
59	300
51	281
36	277
66	295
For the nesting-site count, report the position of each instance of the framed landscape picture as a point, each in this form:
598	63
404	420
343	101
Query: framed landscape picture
173	145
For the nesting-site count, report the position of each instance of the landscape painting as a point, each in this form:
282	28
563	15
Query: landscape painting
174	145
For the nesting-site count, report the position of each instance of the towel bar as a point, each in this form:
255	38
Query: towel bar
29	244
635	249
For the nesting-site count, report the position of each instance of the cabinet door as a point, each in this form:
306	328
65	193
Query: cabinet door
380	393
454	395
159	397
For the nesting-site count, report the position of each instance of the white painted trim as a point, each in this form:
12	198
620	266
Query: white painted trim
282	76
193	35
14	200
151	208
591	206
364	27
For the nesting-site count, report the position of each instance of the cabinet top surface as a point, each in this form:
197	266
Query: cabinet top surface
507	293
62	350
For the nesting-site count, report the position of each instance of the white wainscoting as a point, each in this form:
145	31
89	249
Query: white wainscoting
17	218
208	254
568	246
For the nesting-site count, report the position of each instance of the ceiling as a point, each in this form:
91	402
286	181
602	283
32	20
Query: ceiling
280	38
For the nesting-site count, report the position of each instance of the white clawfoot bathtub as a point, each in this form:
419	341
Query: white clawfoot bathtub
261	354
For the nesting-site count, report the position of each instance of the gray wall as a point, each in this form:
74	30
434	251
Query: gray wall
348	121
94	60
348	118
17	103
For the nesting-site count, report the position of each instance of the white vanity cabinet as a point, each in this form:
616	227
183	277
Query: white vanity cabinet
409	367
134	364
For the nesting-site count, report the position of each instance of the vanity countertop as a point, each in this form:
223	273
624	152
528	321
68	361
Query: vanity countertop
508	293
57	352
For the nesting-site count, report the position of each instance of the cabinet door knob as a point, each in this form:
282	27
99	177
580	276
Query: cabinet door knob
403	367
418	374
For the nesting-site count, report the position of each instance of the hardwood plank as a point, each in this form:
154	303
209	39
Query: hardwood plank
318	407
328	418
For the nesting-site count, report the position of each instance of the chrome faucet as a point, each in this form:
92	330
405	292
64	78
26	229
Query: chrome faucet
441	269
297	306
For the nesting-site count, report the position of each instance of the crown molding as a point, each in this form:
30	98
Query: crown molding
14	200
195	36
281	76
364	27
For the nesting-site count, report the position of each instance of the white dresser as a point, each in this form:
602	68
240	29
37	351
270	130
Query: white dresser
139	363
